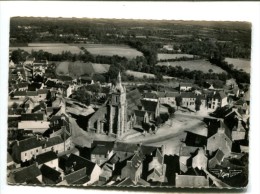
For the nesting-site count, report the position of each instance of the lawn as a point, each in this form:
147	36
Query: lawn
202	65
162	56
110	50
78	68
54	48
239	63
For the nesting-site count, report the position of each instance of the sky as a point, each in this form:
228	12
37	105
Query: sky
218	11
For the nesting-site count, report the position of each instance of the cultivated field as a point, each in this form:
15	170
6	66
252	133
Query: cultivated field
110	50
162	56
54	48
78	68
202	65
239	63
141	74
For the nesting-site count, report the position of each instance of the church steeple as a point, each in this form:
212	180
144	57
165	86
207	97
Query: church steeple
118	86
119	77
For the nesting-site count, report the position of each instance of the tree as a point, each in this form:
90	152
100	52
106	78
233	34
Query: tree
171	111
197	103
178	100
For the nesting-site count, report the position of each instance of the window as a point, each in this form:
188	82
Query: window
36	150
25	154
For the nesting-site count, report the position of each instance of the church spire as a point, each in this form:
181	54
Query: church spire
119	77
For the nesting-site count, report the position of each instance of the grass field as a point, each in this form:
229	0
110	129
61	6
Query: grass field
110	50
141	74
78	68
162	56
239	63
54	48
202	65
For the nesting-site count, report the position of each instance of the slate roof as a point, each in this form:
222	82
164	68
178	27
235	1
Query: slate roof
188	95
28	144
22	85
46	157
218	124
187	150
149	105
172	94
20	93
79	162
150	95
102	147
133	100
218	155
186	84
191	181
42	91
139	113
27	174
32	93
52	141
50	173
32	117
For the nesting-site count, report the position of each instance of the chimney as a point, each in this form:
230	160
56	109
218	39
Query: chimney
18	143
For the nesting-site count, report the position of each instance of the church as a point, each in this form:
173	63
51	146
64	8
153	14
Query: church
112	118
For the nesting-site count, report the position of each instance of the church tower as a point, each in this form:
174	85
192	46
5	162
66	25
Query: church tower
118	109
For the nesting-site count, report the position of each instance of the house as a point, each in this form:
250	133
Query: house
141	117
42	93
29	61
216	159
22	86
50	176
219	137
102	152
19	94
152	108
133	168
129	182
87	169
188	99
150	96
49	158
170	98
185	154
10	161
185	87
26	174
199	160
29	104
216	99
26	149
55	144
157	168
191	181
32	117
238	131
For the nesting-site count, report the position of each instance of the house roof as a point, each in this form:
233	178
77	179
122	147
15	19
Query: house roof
32	116
50	173
216	126
218	155
139	113
133	100
101	149
186	84
20	93
188	95
31	93
46	157
26	174
247	95
191	181
172	94
28	144
22	85
150	95
33	125
43	91
149	105
161	94
52	141
187	150
79	162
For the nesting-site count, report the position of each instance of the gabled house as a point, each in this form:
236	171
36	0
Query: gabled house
50	176
102	152
49	159
238	131
185	87
216	99
26	174
219	137
157	168
188	99
88	170
150	96
199	159
133	168
141	117
216	159
152	108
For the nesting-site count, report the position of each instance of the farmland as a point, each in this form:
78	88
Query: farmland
202	65
78	68
110	50
239	63
162	56
54	48
141	75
